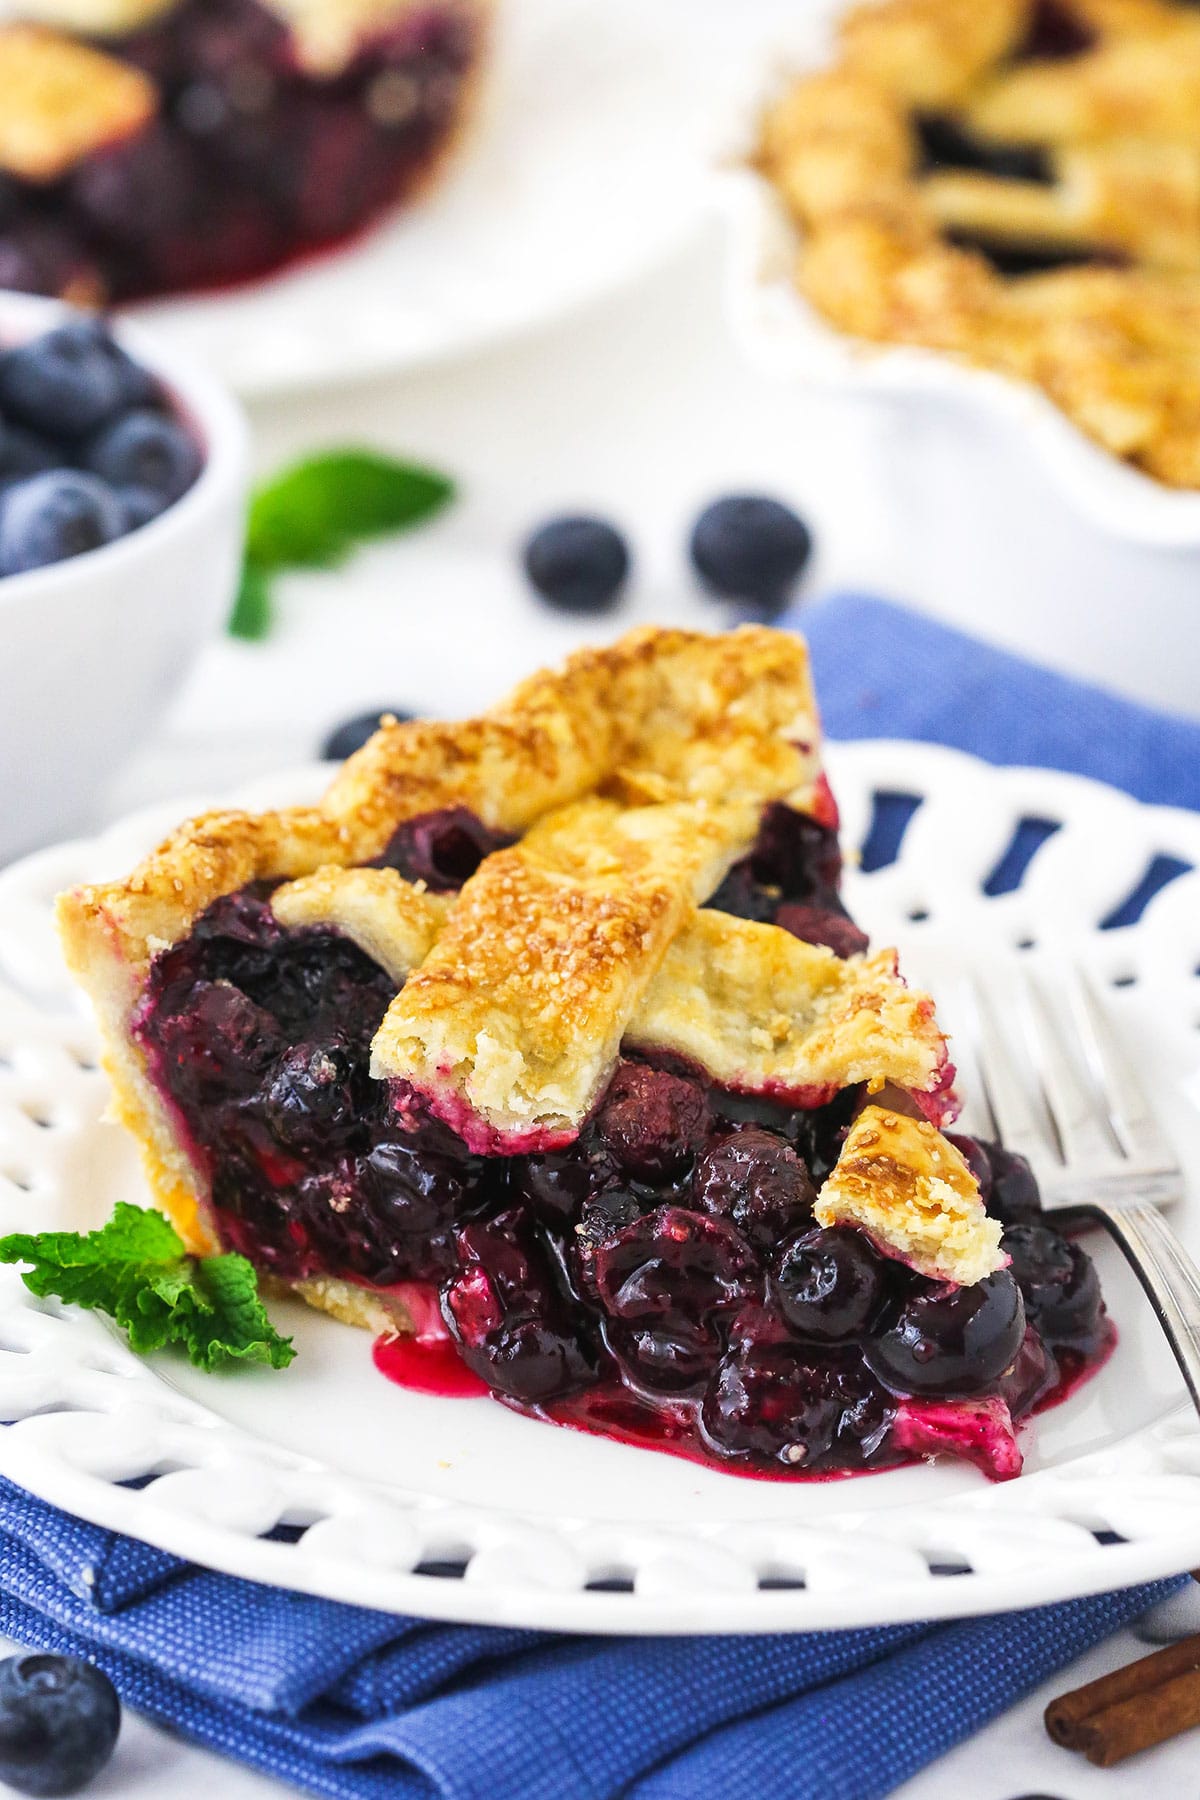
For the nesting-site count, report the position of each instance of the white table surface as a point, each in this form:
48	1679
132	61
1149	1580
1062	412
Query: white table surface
638	409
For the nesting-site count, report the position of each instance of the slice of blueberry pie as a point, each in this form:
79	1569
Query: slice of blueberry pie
1016	182
544	1040
149	146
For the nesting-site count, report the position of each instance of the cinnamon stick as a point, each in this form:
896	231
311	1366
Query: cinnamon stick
1132	1709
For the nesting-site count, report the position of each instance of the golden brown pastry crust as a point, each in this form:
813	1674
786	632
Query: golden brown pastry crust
636	774
62	101
900	1181
1119	125
658	715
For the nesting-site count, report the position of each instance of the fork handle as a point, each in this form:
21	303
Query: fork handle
1166	1271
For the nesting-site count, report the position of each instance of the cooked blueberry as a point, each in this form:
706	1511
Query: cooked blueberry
651	1122
977	1160
1014	1192
24	453
555	1185
509	1315
750	547
71	381
797	854
664	1280
758	1181
951	1341
138	506
776	1404
54	516
144	449
828	1284
311	1096
579	564
442	849
821	925
1059	1283
59	1720
353	733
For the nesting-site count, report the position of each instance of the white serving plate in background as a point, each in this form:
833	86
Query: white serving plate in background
1012	522
377	1481
586	165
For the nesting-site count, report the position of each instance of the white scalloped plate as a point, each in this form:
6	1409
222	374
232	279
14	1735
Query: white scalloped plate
374	1482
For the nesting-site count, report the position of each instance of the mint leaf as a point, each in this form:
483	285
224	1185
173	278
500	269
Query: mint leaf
251	616
315	513
136	1269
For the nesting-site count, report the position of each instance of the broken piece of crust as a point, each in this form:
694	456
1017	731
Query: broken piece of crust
902	1183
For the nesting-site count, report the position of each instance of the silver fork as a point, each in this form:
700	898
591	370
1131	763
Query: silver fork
1057	1086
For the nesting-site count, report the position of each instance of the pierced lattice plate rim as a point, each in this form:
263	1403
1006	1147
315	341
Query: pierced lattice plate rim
461	1510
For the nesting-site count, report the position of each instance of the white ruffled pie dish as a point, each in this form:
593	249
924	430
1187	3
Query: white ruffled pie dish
1004	516
461	1509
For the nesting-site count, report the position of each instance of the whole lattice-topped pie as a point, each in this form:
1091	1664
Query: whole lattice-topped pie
148	146
546	1039
1016	182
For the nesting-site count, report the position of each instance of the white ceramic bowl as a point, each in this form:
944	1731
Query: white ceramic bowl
92	648
1006	519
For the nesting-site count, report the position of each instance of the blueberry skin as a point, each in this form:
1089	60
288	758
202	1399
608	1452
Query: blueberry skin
24	453
144	449
751	548
353	733
53	516
71	381
59	1720
578	564
139	505
951	1341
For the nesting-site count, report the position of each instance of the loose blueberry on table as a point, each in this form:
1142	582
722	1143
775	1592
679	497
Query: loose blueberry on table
660	1279
751	549
90	446
578	564
59	1721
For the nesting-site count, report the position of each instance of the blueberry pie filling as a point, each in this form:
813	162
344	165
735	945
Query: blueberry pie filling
182	144
555	1098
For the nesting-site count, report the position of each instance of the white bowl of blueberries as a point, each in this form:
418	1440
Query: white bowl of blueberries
122	499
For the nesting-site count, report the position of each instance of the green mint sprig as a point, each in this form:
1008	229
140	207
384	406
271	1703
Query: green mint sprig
316	512
136	1269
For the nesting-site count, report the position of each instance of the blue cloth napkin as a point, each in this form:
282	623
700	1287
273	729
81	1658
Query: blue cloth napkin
359	1705
363	1706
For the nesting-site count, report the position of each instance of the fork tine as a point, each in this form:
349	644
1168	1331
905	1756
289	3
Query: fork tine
1124	1096
1076	1107
976	1118
1020	1127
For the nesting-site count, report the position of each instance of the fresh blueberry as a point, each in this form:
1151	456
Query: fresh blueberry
951	1341
71	381
24	453
750	548
353	733
139	505
578	564
52	516
145	449
59	1719
828	1284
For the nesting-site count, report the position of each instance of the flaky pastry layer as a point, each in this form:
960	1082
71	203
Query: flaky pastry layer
1118	126
910	1190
